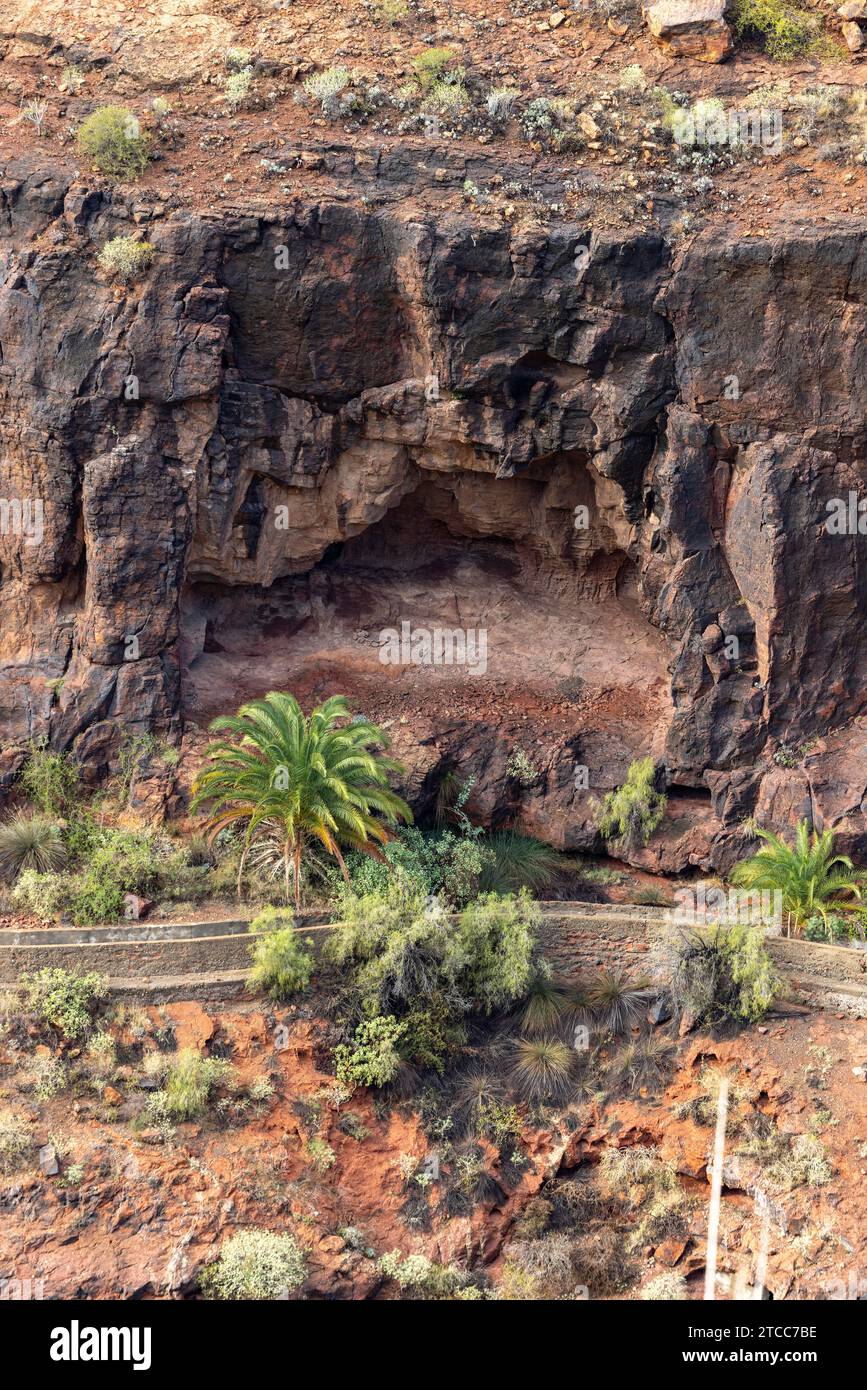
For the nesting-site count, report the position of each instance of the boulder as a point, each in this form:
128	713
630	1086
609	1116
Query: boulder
691	29
853	36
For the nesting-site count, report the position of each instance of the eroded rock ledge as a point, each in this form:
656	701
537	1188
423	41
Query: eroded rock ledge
428	400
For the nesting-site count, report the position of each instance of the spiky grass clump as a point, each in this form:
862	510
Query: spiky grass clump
543	1069
647	1062
516	861
30	842
551	1004
616	1002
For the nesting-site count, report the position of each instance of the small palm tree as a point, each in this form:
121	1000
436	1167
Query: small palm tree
813	880
296	782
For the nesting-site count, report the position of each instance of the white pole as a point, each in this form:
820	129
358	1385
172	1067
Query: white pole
716	1189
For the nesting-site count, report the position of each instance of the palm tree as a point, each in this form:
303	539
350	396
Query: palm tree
297	781
813	880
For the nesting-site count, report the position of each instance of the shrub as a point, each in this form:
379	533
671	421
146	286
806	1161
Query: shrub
102	1054
448	865
111	138
646	1062
190	1081
496	936
402	953
520	769
633	79
373	1059
724	975
93	901
40	894
281	963
126	258
255	1264
786	30
121	861
500	102
321	1155
429	67
325	87
543	1068
16	1145
238	88
549	1004
446	97
30	842
632	812
65	999
49	780
237	59
49	1077
417	1272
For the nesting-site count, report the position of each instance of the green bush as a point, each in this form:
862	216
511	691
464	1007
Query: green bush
111	138
632	812
255	1264
496	936
30	842
724	976
445	864
400	952
65	999
373	1058
281	963
189	1083
787	30
43	896
404	959
49	780
126	258
430	67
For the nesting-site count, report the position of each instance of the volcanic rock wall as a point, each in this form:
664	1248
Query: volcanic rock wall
277	391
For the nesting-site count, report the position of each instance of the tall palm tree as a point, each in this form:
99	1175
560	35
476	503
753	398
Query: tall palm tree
813	880
297	781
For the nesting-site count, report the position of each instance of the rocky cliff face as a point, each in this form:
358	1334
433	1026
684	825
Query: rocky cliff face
303	428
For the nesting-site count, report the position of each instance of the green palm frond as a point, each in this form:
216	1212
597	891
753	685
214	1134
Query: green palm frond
812	879
295	780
